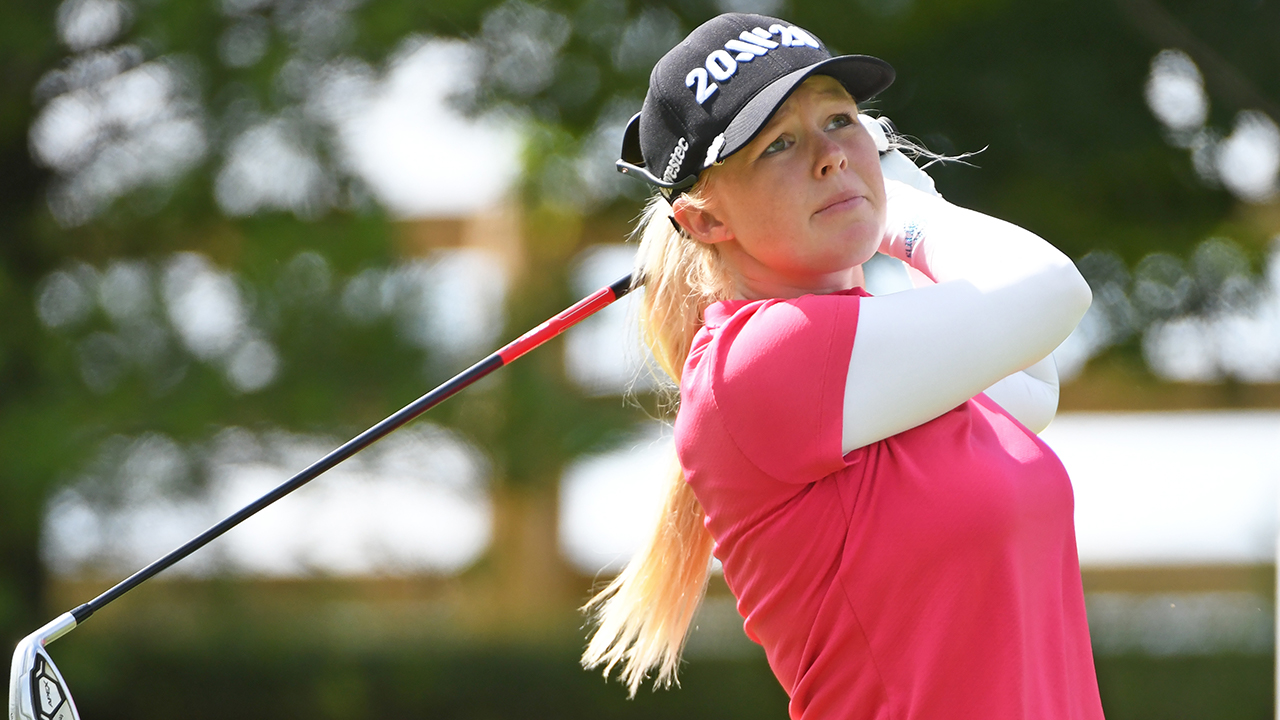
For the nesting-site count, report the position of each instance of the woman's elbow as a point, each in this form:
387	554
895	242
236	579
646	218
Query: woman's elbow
1057	301
1072	295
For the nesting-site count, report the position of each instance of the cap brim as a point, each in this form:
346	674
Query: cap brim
631	151
863	76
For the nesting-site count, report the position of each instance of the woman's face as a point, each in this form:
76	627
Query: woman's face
801	207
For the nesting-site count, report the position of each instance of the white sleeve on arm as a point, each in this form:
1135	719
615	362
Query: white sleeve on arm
1004	299
1029	395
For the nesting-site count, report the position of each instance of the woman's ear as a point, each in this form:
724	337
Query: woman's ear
700	222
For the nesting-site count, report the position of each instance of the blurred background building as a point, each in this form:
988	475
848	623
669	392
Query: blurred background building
238	232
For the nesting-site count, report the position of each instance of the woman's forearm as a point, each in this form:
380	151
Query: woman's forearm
995	258
946	242
1004	299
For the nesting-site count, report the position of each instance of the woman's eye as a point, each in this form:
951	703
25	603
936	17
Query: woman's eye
839	121
776	146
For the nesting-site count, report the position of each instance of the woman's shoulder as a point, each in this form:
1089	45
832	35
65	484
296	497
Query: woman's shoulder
766	379
753	344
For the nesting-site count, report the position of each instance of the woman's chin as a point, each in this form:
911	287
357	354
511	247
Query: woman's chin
859	253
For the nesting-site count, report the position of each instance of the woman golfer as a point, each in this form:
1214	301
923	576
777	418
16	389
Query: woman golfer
866	469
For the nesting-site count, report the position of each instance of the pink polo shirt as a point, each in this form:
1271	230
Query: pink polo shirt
932	575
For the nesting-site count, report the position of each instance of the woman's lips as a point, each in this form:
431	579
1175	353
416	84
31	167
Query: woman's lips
842	202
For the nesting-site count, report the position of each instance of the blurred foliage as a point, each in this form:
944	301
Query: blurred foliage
243	677
337	376
1136	687
1053	90
489	680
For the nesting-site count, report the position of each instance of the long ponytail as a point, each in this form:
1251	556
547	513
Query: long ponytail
645	613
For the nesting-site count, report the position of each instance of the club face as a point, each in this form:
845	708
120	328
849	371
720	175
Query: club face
36	688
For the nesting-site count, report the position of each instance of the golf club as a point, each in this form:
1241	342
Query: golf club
36	688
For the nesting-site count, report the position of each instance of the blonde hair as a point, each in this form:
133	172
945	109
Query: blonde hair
644	614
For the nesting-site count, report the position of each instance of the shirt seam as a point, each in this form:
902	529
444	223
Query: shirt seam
844	593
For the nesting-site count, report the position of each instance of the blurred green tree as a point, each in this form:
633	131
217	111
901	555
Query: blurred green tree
138	198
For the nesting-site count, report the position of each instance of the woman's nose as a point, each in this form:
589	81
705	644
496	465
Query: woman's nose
831	158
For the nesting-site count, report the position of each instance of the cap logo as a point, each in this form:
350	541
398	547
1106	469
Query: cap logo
675	161
748	46
713	152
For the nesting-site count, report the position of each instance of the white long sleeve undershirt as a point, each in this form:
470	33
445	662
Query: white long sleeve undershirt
1003	300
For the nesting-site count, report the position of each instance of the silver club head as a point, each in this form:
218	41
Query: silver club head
36	688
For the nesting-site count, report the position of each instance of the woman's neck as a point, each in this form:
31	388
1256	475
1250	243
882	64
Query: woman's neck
748	286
